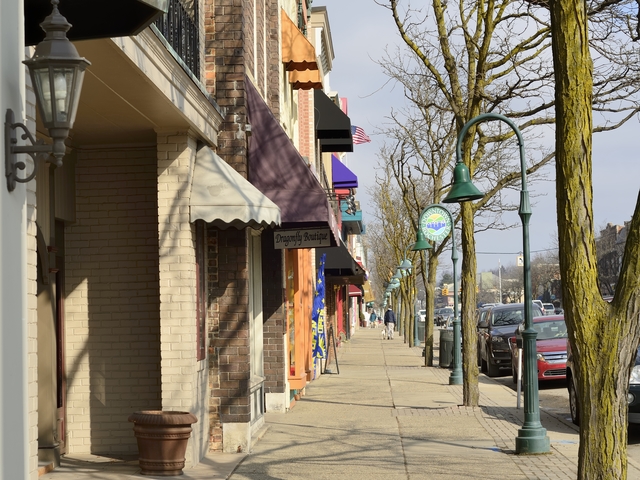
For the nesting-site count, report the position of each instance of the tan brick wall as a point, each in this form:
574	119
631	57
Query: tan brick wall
112	307
176	157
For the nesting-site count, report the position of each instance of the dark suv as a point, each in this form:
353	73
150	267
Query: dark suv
494	330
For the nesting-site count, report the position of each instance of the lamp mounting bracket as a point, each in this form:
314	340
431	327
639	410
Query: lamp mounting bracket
38	151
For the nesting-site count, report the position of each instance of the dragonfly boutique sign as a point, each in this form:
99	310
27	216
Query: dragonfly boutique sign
308	238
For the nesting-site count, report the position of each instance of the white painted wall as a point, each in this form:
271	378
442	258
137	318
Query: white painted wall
14	404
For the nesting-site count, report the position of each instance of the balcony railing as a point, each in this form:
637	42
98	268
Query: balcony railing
179	26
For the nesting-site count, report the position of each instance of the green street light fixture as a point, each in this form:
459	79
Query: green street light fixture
421	242
436	223
405	266
532	437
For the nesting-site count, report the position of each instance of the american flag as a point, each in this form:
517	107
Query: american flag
359	136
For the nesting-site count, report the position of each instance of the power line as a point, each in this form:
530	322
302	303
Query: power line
516	253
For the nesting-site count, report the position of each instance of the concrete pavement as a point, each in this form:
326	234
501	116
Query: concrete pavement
385	416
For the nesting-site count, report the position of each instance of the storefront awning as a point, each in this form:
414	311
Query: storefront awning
355	291
221	196
340	267
93	19
277	169
330	145
306	80
341	175
331	121
297	51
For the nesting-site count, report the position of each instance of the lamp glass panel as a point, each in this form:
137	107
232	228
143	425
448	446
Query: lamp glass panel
62	87
75	94
42	87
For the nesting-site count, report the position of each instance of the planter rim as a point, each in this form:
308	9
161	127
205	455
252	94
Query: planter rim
162	417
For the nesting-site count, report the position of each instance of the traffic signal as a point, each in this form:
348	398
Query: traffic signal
445	291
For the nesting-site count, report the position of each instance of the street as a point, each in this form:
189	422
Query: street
554	398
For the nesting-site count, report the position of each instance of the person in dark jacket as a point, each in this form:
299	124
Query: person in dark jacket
390	322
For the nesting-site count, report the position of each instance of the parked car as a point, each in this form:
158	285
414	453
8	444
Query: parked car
443	314
633	395
481	314
423	315
548	309
551	347
494	332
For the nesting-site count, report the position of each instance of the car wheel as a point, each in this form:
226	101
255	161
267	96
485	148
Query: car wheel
573	403
514	374
492	370
483	366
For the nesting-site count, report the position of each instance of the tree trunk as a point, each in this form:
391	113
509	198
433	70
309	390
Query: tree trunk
470	389
428	327
603	342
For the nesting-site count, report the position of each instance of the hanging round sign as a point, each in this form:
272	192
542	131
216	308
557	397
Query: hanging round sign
435	223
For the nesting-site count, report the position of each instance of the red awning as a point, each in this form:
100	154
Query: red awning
354	291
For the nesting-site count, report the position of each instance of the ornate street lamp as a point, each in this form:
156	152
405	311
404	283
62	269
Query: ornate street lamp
532	437
436	223
56	72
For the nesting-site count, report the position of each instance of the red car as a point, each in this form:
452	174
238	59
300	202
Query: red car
551	347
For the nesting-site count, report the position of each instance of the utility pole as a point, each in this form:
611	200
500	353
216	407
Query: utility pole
500	281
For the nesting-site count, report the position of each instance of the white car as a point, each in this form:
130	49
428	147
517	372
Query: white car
423	315
549	309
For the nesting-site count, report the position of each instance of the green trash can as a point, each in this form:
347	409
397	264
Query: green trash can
420	331
446	348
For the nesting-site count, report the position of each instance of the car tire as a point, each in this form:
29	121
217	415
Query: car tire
573	403
492	370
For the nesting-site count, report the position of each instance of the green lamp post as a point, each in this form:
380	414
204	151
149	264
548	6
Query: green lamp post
436	223
532	437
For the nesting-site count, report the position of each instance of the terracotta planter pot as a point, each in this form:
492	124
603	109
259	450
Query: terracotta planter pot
162	438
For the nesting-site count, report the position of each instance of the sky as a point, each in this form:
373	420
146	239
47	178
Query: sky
361	30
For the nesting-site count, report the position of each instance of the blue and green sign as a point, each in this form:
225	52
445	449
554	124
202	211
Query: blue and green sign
435	223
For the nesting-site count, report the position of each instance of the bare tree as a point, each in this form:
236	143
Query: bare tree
494	56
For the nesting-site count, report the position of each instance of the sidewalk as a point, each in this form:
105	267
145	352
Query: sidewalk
385	416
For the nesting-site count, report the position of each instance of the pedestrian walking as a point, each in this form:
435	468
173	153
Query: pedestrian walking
390	322
373	319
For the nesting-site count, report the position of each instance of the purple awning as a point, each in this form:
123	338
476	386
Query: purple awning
342	177
277	169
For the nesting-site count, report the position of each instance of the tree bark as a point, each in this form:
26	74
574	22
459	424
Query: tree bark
603	337
428	328
470	390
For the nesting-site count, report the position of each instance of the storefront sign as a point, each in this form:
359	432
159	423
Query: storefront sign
309	238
